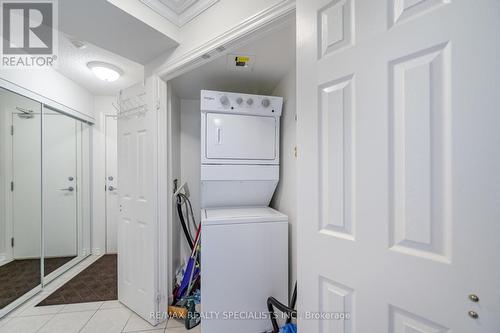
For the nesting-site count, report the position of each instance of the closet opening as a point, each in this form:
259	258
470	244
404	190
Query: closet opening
232	152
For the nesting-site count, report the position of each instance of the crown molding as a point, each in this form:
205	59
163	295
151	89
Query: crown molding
182	14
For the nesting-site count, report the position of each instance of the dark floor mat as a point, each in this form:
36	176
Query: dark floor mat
51	264
20	276
98	282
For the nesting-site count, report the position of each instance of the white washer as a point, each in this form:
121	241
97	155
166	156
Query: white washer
244	261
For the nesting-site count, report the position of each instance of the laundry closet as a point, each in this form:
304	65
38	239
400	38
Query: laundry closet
232	150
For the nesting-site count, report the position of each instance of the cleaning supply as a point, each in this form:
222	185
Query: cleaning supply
191	269
177	312
289	328
193	318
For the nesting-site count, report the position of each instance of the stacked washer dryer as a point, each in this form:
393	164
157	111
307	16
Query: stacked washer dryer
244	242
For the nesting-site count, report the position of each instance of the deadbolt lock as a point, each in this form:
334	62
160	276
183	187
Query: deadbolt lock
474	298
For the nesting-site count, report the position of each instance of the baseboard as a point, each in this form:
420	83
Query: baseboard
4	259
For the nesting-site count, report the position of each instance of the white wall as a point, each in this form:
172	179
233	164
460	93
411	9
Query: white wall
52	85
103	105
214	22
190	143
285	197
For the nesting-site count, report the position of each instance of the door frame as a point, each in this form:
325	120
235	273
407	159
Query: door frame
107	117
9	223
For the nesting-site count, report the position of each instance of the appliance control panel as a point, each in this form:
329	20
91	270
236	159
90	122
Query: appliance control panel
226	102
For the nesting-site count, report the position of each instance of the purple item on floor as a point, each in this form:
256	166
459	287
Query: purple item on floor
289	328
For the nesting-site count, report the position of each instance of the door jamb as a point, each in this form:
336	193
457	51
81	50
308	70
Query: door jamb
106	117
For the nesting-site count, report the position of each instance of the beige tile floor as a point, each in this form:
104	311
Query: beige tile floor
95	317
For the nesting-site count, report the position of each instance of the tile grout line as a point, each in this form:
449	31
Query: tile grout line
83	326
130	316
38	330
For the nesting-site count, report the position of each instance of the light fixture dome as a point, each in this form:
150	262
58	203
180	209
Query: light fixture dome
104	71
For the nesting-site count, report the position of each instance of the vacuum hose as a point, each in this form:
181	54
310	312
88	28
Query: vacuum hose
182	199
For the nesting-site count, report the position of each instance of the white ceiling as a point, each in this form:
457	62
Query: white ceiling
105	25
72	63
274	56
179	12
178	5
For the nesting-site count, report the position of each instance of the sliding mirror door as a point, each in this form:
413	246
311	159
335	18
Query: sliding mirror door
20	198
66	191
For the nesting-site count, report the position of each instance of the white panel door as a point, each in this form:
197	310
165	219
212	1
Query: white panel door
60	190
112	213
398	162
137	183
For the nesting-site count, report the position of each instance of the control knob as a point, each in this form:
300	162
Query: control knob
266	102
224	100
249	101
239	100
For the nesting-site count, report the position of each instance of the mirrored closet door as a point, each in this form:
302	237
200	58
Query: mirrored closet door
20	197
66	194
45	210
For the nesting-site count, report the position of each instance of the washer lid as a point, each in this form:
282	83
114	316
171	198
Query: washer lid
241	215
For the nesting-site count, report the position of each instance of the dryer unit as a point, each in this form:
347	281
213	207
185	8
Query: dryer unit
239	148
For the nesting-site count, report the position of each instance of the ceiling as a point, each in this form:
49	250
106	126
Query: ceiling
72	63
178	5
105	25
274	57
179	12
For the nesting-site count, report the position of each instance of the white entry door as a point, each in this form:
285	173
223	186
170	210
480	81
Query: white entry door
399	159
112	210
138	257
60	190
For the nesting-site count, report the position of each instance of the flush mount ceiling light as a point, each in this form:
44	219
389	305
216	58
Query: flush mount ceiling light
105	71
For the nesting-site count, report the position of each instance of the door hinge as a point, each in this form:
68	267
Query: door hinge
295	151
12	186
12	242
11	129
158	298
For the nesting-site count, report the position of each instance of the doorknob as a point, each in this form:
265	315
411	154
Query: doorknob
69	189
112	188
473	314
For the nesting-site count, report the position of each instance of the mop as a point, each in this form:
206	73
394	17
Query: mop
191	269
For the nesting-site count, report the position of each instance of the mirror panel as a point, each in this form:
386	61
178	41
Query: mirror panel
45	196
66	203
20	196
60	190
